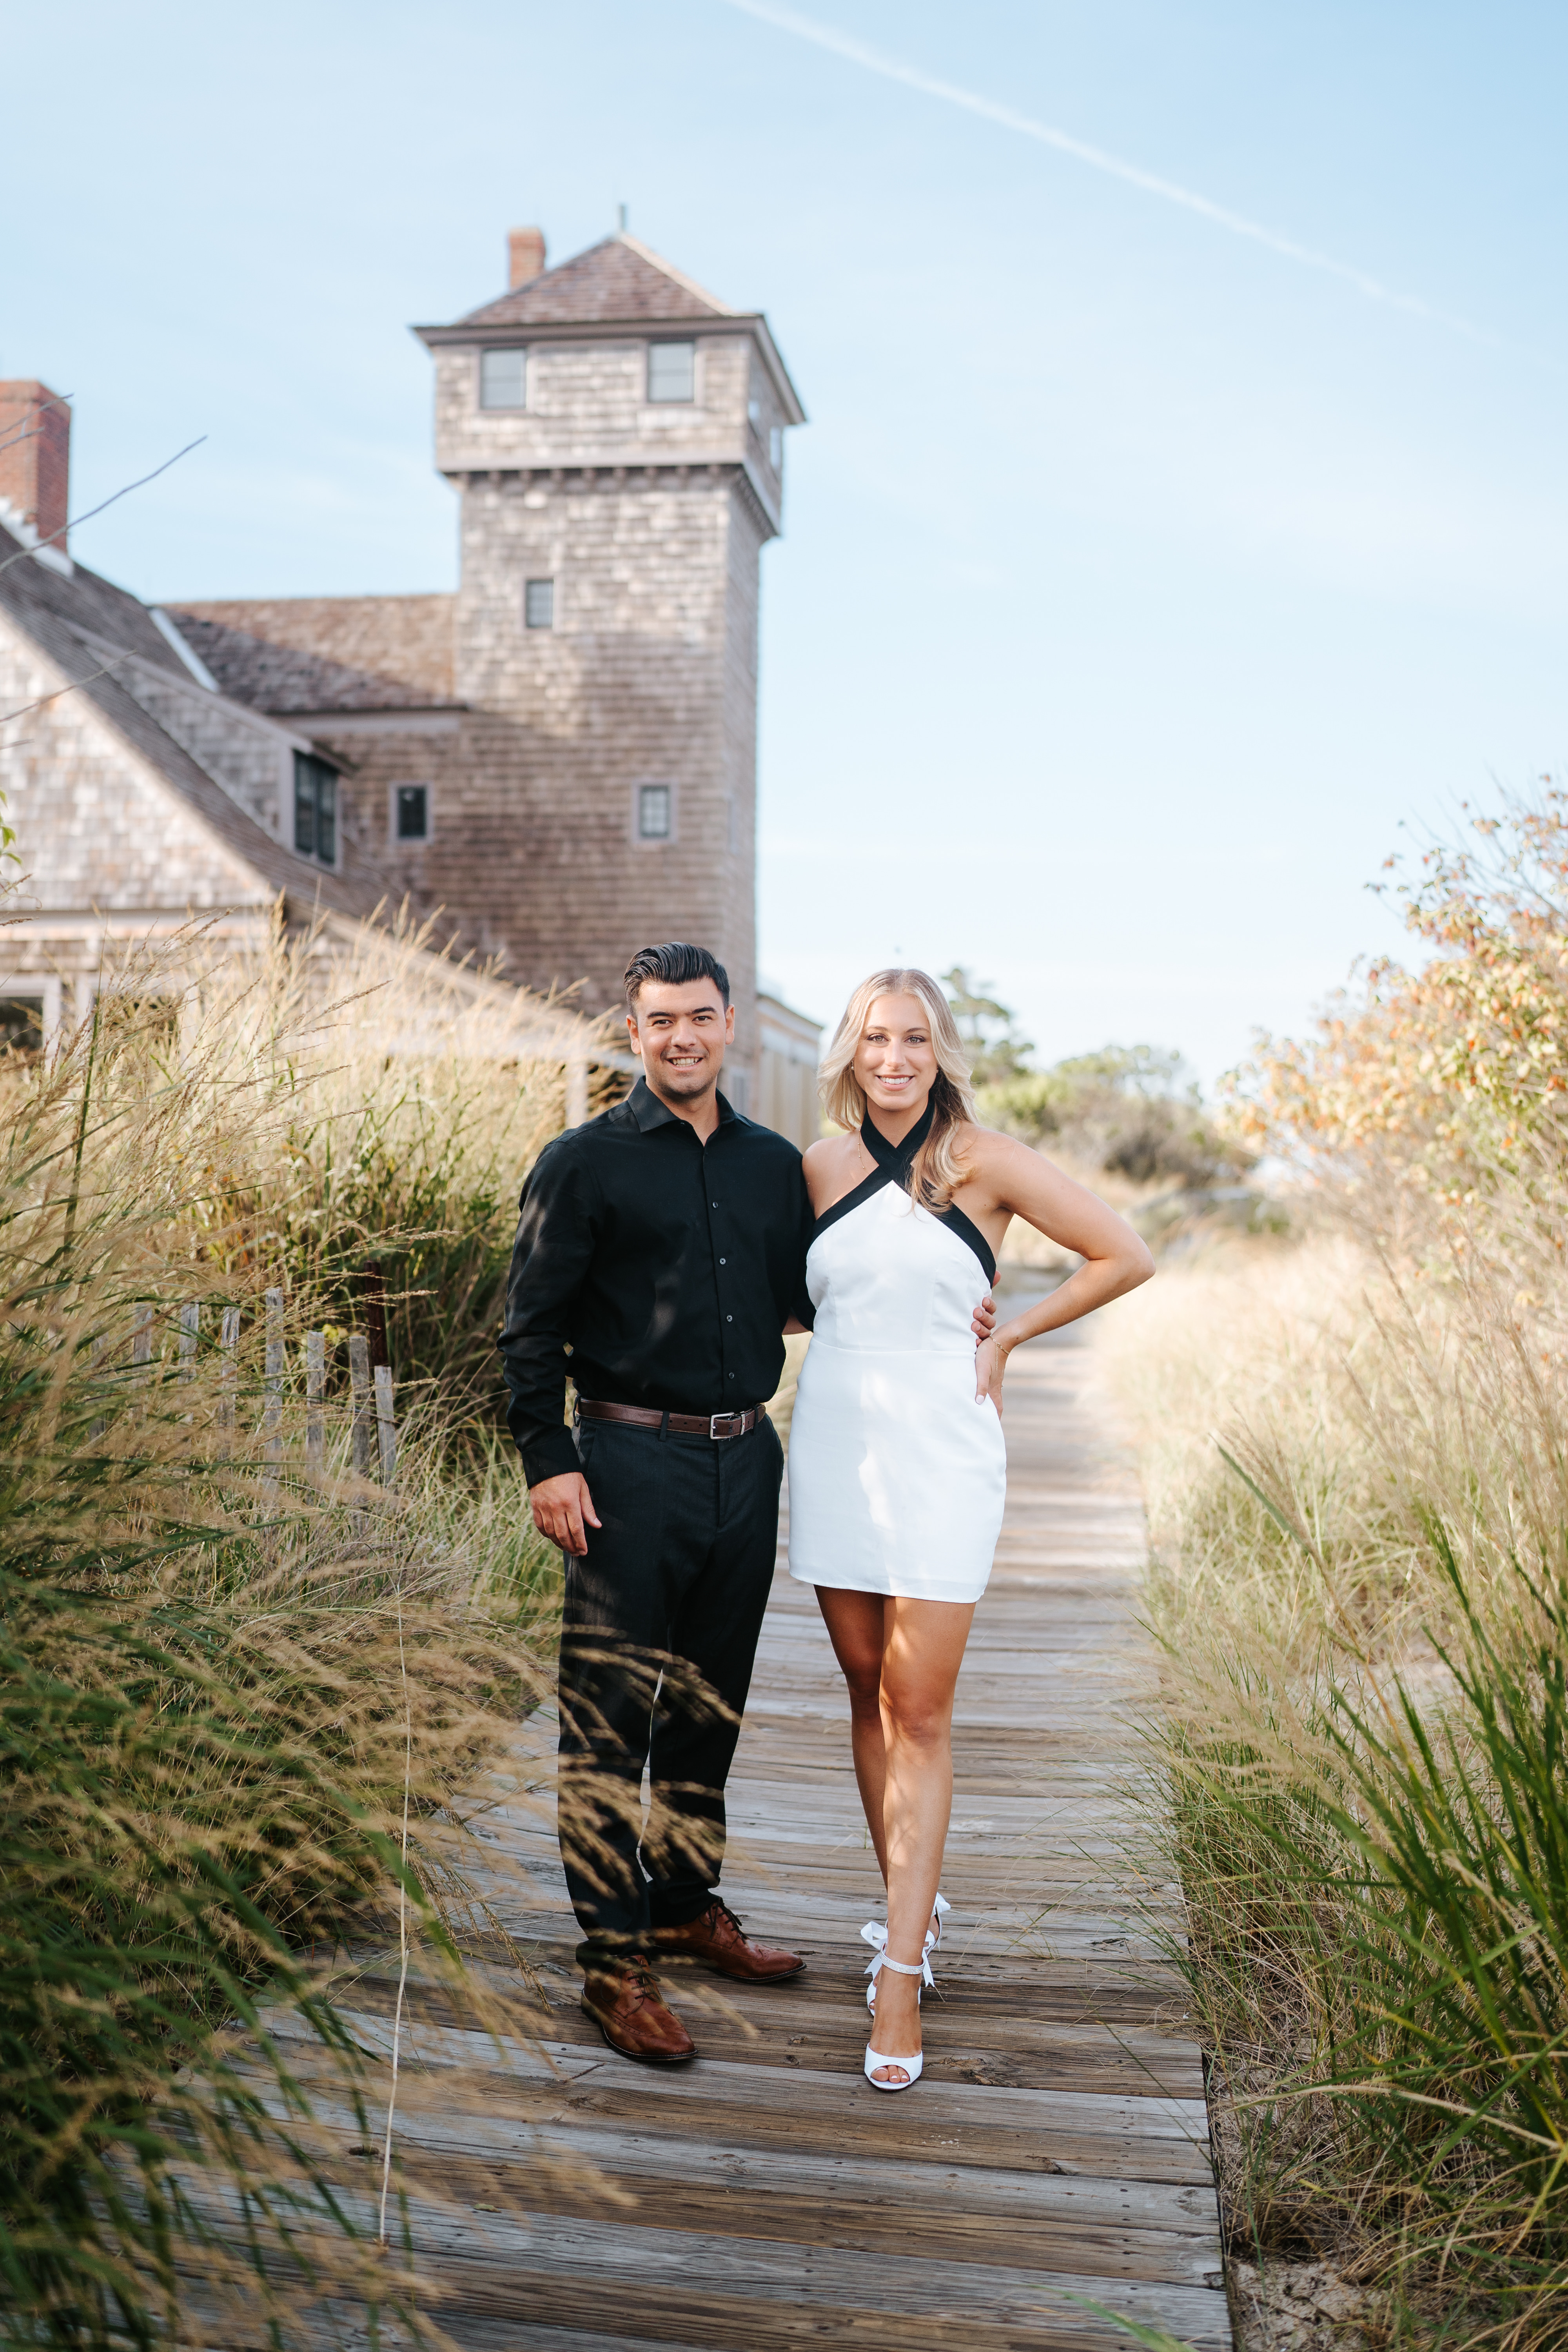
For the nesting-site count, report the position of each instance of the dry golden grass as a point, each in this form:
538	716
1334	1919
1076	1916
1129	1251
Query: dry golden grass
240	1690
1355	1452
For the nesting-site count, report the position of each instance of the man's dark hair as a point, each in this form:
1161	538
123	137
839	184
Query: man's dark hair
675	963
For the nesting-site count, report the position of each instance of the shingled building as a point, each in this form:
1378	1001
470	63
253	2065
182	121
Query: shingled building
561	757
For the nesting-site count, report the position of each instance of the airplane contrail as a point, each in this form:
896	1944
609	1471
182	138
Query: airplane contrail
860	53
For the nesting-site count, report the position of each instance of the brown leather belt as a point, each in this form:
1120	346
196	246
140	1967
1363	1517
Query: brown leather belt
716	1426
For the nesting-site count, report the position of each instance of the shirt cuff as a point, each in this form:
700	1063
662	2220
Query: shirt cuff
554	1455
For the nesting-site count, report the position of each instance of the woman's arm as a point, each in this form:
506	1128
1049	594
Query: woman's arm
1008	1176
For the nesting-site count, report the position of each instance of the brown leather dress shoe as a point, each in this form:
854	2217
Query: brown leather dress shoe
624	2002
717	1938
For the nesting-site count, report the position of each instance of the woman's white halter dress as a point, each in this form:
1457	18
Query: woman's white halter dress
898	1472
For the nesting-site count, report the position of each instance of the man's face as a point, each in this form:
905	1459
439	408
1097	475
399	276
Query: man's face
681	1030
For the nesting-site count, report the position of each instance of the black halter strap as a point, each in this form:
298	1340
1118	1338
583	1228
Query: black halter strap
896	1159
895	1165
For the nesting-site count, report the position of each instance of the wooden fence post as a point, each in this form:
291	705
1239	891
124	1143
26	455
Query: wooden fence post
190	1331
358	1381
364	1416
577	1091
140	1338
315	1419
272	1397
385	1427
227	1380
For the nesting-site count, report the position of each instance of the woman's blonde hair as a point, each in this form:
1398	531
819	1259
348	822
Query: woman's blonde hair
938	1169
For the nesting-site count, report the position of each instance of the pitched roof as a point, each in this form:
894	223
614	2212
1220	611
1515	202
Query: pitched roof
617	278
82	601
55	612
327	653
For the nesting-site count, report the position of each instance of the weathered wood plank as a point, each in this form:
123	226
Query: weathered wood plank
743	2292
1017	2051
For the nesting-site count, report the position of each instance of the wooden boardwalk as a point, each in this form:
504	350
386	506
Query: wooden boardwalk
767	2197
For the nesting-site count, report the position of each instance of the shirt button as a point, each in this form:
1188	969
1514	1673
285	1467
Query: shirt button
728	1318
723	1261
730	1376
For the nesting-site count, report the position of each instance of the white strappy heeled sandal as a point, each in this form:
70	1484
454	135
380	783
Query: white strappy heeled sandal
875	1934
913	2067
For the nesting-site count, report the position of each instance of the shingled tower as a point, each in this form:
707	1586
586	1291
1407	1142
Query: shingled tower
557	764
617	437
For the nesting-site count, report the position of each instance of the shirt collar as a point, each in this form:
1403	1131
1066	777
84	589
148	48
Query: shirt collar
649	1112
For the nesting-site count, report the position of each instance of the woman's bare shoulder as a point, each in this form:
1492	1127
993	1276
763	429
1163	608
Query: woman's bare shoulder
1000	1163
831	1163
985	1147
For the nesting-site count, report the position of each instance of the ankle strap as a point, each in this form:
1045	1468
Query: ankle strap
876	1934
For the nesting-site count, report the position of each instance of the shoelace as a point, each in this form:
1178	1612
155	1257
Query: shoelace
726	1915
641	1983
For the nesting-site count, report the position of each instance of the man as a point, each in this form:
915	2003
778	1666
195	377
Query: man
662	1254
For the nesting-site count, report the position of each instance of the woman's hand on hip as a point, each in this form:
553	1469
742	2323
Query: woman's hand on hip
990	1363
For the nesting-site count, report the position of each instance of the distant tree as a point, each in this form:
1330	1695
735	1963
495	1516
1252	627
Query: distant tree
996	1052
1150	1072
1126	1110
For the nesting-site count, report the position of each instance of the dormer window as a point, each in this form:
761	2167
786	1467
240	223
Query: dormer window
539	604
503	378
315	809
671	372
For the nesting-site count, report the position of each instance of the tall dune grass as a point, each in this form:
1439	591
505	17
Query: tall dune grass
361	1112
1357	1464
238	1688
1356	1452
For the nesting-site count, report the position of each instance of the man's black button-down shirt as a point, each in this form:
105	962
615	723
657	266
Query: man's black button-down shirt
668	1266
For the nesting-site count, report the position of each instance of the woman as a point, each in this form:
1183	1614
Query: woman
896	1466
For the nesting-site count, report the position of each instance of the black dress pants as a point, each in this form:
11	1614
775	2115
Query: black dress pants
658	1637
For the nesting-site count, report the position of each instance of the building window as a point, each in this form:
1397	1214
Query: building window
655	813
539	604
410	813
315	809
672	371
503	378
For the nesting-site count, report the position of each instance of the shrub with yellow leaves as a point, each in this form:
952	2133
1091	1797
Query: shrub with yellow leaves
1454	1073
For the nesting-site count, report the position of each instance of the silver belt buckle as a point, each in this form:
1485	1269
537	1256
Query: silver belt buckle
721	1436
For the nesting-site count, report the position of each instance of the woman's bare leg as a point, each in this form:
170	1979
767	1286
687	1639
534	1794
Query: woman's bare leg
900	1662
857	1623
921	1658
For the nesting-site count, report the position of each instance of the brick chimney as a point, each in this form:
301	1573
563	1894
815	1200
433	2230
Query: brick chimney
526	254
35	460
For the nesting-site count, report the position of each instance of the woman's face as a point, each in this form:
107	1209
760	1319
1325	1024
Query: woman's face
895	1060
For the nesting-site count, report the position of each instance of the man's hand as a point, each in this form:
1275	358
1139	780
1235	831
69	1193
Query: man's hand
985	1322
560	1507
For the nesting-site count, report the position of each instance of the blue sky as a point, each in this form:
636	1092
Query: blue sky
1140	582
